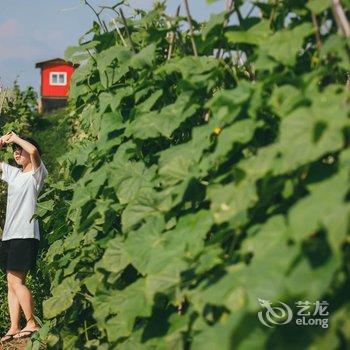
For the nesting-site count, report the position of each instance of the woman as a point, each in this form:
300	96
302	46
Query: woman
20	239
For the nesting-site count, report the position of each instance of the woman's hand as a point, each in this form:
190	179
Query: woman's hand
5	138
10	137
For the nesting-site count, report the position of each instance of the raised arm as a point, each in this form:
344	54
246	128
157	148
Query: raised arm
1	144
28	147
3	140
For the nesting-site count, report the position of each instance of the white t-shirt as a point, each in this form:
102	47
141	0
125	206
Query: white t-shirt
22	194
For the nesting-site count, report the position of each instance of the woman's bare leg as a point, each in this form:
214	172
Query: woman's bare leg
17	281
14	310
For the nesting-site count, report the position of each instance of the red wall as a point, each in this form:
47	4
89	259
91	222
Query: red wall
56	90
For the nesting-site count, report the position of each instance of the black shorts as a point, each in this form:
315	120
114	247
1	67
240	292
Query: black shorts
19	254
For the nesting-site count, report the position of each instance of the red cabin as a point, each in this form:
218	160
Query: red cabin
55	81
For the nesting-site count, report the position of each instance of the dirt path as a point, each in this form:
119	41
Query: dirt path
14	345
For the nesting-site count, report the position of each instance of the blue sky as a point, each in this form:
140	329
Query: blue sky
36	30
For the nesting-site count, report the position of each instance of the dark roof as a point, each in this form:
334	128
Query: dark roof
53	61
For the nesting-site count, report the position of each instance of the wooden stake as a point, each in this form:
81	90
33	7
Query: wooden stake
317	33
340	18
127	30
343	26
118	31
189	19
172	38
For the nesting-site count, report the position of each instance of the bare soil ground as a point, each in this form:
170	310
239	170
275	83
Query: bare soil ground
14	345
19	344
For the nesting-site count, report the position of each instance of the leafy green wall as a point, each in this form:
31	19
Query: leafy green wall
196	185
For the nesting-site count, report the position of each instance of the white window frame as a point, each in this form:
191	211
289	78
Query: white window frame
58	83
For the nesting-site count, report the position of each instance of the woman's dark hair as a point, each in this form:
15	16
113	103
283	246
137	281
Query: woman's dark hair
29	139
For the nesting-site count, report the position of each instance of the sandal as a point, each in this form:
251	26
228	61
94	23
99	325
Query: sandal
10	337
24	336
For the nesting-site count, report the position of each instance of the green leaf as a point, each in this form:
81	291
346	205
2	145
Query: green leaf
105	58
147	203
226	104
62	297
336	46
44	207
154	124
299	135
74	53
144	58
231	202
167	279
141	245
178	163
128	178
284	45
113	100
115	258
150	102
189	234
239	132
318	6
110	122
285	98
256	35
312	213
215	20
243	284
92	282
128	304
223	334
